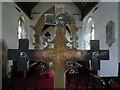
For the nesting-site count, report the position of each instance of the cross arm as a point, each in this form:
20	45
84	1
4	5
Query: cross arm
104	55
16	54
96	56
99	54
13	54
31	55
81	55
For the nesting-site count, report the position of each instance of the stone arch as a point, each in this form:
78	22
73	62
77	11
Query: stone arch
39	26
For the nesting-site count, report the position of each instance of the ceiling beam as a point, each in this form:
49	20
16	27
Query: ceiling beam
85	7
26	7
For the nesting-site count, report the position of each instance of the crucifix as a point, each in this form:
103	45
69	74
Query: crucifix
96	55
60	54
22	55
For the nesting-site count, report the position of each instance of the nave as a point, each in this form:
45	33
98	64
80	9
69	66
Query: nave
60	32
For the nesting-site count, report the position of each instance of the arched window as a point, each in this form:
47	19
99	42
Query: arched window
89	32
22	32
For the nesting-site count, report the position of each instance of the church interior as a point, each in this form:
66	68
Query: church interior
60	45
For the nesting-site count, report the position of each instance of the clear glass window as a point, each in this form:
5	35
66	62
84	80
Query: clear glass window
89	32
22	32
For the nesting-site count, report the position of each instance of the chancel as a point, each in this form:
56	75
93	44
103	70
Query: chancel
53	53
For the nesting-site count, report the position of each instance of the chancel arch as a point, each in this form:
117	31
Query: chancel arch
41	20
39	27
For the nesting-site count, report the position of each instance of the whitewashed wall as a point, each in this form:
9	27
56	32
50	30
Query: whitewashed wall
0	20
10	17
119	31
107	11
10	23
0	45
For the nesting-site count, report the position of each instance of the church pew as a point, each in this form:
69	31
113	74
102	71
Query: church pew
19	82
87	77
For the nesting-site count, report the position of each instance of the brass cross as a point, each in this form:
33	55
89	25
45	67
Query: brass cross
59	55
